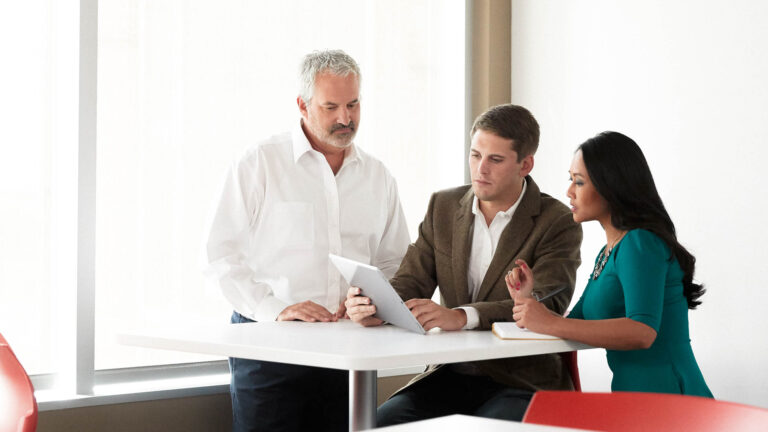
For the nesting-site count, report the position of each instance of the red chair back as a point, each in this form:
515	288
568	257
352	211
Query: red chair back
18	407
627	411
571	362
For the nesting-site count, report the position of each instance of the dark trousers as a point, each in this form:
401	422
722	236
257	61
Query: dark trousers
447	392
269	396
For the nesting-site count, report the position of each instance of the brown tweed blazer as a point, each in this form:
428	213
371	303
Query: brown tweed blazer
542	232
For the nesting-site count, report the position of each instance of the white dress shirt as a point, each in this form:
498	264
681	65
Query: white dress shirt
485	239
282	211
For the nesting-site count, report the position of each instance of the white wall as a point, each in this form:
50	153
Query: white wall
688	80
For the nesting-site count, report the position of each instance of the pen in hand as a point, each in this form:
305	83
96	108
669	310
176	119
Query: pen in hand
526	273
557	291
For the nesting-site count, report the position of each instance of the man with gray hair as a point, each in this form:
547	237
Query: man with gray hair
285	205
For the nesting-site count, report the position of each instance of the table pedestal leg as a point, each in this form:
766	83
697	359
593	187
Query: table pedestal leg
362	400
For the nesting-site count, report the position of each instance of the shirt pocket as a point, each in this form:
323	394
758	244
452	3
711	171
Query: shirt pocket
293	225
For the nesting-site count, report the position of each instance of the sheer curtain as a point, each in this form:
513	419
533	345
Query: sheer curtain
38	138
184	86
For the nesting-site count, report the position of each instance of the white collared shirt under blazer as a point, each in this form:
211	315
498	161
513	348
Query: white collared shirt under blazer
485	239
282	211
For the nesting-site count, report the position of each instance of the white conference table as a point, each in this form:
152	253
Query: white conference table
342	345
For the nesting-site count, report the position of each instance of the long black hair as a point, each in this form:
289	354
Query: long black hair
621	175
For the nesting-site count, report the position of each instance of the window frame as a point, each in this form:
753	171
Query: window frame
75	378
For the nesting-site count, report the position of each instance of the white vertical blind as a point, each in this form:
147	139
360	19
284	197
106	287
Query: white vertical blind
38	138
184	86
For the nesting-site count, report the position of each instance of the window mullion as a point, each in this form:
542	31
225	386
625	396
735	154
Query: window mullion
86	203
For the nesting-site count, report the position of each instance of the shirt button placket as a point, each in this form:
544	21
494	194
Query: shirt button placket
334	236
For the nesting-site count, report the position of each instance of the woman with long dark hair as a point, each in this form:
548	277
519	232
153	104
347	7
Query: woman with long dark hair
637	299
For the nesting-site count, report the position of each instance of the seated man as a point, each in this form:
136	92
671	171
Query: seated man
469	240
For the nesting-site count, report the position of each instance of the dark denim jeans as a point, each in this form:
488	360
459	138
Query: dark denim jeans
447	392
269	396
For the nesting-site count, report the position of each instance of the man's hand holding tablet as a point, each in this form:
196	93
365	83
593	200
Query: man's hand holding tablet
360	309
372	300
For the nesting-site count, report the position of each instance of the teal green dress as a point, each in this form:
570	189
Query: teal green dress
640	282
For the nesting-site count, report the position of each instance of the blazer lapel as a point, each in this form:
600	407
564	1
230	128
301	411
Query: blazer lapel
512	238
460	247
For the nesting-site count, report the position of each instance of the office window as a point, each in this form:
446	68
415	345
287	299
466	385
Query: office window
185	86
38	105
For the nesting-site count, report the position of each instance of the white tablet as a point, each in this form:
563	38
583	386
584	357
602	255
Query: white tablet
374	285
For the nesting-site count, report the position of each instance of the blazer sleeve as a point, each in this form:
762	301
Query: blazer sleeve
417	275
556	259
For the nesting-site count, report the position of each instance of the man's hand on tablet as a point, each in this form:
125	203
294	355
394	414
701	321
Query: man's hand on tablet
360	309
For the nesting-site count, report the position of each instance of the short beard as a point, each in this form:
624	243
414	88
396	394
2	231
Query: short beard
341	141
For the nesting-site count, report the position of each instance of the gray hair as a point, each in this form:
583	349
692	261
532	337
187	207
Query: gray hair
337	62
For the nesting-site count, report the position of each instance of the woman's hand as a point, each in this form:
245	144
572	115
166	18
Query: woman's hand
529	313
520	281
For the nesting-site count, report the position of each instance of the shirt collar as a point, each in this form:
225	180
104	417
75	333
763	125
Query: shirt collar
507	213
301	146
300	142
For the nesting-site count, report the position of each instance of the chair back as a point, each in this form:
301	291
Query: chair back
18	407
571	362
629	411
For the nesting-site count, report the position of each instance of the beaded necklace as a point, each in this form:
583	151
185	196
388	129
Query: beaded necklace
600	263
